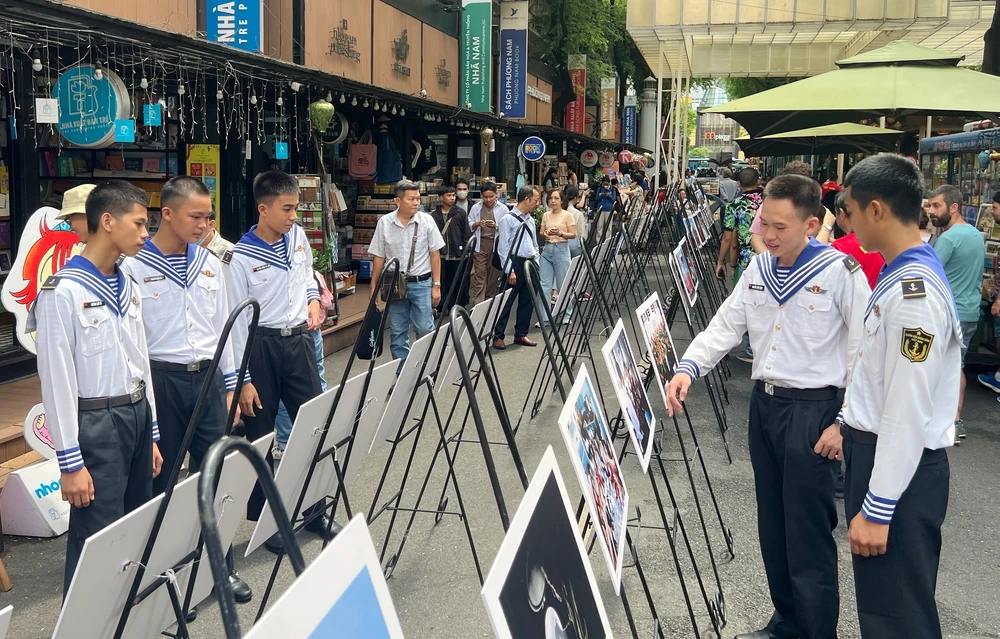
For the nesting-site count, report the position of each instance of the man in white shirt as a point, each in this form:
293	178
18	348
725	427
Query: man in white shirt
517	243
899	413
802	304
412	238
94	371
484	218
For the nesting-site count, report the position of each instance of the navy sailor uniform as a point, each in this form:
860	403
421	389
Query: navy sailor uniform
97	392
283	357
184	309
805	323
898	420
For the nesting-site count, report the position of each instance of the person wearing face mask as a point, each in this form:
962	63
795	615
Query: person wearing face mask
462	200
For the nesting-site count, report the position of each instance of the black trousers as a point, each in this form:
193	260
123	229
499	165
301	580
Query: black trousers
176	395
283	369
796	513
895	591
454	276
520	292
117	450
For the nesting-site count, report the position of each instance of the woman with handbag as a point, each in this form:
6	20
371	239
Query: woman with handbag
558	226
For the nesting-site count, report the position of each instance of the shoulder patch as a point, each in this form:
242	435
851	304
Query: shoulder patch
851	263
50	283
227	258
913	287
916	344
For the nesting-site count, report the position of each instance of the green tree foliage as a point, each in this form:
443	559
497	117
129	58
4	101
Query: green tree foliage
737	88
699	152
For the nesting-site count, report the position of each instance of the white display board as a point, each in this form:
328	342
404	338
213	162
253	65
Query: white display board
342	594
106	569
304	441
31	503
5	615
484	318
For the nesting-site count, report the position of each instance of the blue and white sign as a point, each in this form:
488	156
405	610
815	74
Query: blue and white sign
513	74
236	24
152	115
533	148
88	106
629	120
281	150
125	131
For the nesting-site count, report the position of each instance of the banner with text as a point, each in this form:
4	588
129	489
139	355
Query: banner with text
609	95
236	24
576	110
477	23
514	59
629	120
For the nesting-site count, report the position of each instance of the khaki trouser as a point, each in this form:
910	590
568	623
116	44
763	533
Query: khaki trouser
484	276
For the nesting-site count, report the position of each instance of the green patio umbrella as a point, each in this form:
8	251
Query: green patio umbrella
833	138
897	80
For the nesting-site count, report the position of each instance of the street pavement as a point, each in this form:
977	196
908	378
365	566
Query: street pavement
435	586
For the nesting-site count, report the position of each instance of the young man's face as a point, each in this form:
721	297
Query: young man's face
462	191
862	222
489	199
189	218
782	227
448	199
279	214
78	222
995	211
939	212
128	233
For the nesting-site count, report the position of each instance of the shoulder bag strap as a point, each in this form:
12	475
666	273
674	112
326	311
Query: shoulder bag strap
413	246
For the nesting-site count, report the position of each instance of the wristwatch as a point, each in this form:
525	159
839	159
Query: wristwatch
437	284
828	228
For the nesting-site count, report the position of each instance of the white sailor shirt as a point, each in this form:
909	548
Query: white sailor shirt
184	306
91	343
804	322
279	277
905	386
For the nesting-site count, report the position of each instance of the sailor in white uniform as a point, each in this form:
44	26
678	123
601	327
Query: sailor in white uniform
94	371
802	304
899	413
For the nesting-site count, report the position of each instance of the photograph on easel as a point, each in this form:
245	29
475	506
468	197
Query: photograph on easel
686	279
659	343
630	392
541	583
588	440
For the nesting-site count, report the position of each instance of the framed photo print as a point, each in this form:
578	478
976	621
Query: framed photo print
631	393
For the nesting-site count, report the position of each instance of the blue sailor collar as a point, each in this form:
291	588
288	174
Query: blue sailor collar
254	247
151	256
813	259
82	271
917	262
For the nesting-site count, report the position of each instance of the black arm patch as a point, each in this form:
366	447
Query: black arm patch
227	257
50	283
913	287
851	263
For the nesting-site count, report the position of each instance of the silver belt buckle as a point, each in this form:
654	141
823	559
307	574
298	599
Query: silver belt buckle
769	388
193	367
285	332
135	395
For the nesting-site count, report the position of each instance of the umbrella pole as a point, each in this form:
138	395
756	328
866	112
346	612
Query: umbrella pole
659	127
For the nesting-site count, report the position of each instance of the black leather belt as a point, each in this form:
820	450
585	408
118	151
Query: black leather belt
283	332
107	403
859	436
170	367
418	278
806	394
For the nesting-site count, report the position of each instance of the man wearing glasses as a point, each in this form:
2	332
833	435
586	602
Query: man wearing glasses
517	242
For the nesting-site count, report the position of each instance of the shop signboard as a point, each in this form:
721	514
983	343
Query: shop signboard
203	163
609	93
514	59
477	23
607	159
588	158
237	24
576	110
90	101
533	148
629	120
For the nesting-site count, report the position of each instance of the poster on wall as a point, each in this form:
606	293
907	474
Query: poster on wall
576	110
609	95
203	163
514	59
239	25
477	24
91	100
629	120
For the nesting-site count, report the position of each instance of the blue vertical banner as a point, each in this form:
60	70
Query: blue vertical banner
238	24
629	120
513	74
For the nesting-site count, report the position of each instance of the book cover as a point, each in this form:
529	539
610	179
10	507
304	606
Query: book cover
133	164
114	163
151	165
64	166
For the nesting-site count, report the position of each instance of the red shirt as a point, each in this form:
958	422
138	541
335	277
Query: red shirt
871	263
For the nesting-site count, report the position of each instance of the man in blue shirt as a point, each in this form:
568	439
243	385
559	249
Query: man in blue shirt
961	249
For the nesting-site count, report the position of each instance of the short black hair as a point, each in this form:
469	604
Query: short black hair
892	179
803	192
840	204
748	177
571	193
996	197
444	189
116	197
604	179
488	186
951	194
403	186
525	193
797	167
181	187
614	181
271	184
462	180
